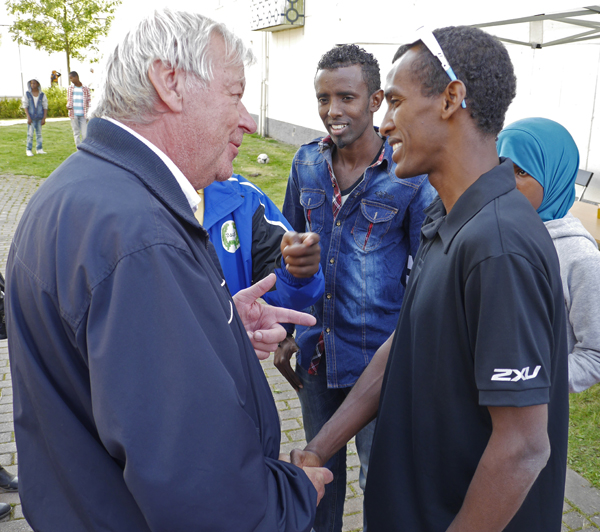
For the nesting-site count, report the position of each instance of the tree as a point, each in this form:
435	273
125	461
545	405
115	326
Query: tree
71	26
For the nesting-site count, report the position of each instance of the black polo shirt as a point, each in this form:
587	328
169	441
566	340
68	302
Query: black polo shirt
482	324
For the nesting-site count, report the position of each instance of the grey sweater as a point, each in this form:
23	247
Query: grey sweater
580	273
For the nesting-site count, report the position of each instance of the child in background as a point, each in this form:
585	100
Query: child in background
35	104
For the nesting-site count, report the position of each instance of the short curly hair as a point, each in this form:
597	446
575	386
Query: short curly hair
351	54
480	61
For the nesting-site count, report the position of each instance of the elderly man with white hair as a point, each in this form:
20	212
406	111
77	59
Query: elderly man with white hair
139	401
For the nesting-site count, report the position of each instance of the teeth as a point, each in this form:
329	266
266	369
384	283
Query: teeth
396	146
337	128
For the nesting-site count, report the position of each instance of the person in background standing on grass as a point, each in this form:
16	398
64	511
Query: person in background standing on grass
78	103
35	104
546	162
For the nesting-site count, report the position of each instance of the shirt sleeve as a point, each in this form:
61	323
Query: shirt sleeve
509	307
45	102
174	391
268	227
582	288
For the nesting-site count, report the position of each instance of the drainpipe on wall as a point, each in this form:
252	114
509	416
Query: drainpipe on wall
263	130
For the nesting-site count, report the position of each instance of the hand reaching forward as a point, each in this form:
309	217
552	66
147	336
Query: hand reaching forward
319	476
283	354
262	321
305	458
301	253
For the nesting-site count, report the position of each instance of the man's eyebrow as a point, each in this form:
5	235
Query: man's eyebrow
340	93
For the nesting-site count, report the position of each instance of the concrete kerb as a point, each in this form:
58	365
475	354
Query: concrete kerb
16	121
581	510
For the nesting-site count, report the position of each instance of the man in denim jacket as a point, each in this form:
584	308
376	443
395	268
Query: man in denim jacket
343	187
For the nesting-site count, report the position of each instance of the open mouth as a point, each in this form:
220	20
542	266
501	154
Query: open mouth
396	145
338	128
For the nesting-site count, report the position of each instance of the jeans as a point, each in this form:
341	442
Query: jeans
318	405
79	125
37	126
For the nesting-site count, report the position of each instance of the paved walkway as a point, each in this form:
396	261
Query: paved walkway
582	503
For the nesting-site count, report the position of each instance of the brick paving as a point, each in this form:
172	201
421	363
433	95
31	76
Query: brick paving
582	502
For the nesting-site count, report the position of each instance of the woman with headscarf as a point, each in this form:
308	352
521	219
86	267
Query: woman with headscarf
546	161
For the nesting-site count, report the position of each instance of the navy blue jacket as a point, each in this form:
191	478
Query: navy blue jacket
139	402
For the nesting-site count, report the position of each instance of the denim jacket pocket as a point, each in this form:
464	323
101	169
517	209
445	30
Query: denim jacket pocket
313	202
372	223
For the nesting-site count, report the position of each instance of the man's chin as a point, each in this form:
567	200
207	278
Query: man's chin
224	177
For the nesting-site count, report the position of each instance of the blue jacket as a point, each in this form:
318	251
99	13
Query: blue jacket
36	112
246	228
139	402
364	255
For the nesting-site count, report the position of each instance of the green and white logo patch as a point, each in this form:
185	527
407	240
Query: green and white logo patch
229	237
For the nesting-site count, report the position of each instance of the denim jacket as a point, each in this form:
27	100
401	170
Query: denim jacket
364	255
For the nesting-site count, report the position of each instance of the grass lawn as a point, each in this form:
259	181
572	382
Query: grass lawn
584	434
584	429
272	177
57	141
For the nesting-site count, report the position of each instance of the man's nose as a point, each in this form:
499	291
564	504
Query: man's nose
246	123
335	109
387	124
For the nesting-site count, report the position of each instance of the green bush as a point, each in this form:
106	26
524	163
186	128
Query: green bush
11	108
57	104
57	101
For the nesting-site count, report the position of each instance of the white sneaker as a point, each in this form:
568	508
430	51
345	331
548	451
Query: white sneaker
40	152
29	153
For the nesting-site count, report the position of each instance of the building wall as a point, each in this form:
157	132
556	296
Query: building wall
556	82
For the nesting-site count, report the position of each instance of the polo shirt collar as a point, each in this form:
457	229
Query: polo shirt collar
491	185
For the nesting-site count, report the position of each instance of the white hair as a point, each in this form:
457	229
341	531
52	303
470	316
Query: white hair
180	40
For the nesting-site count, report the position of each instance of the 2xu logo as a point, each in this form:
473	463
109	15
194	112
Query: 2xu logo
505	374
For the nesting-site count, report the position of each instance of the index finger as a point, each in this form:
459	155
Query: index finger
286	315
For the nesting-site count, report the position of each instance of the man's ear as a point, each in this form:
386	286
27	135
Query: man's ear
453	97
168	83
376	99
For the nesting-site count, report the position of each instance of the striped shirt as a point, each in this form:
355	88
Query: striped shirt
78	101
86	100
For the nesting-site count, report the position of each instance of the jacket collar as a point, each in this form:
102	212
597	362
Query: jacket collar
112	143
491	185
326	146
221	198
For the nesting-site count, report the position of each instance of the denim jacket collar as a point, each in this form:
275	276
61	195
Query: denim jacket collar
326	146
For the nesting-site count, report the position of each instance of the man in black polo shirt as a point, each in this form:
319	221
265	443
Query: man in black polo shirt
473	407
